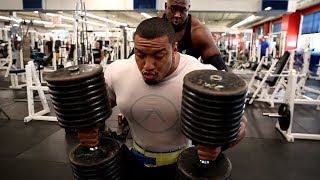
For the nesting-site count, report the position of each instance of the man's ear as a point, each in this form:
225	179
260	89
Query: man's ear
165	5
175	48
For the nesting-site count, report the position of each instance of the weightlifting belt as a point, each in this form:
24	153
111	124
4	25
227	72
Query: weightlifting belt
153	159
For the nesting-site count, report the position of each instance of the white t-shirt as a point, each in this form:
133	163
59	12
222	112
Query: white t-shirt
153	111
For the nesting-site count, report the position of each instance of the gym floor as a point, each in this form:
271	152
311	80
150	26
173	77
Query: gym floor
38	150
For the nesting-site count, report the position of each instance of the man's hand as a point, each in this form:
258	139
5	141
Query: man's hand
89	137
208	153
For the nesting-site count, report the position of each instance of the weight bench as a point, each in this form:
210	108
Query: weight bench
14	78
270	79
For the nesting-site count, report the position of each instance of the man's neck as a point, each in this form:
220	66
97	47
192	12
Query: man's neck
175	63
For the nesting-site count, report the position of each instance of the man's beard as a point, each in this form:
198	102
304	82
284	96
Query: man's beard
151	82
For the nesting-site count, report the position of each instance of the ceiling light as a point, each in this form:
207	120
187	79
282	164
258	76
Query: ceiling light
5	18
64	25
268	8
41	22
106	20
146	15
93	23
50	14
245	21
223	34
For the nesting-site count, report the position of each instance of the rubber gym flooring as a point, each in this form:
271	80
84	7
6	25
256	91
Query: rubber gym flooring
38	150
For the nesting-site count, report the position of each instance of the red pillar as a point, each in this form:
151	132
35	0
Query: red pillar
266	28
291	24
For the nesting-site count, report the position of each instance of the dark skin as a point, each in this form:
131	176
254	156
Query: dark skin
177	12
156	59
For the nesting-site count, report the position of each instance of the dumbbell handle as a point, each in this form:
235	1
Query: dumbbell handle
89	137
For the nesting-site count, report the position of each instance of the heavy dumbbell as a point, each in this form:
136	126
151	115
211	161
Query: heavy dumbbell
212	107
81	102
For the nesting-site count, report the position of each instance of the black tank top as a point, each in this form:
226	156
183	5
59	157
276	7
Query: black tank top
185	44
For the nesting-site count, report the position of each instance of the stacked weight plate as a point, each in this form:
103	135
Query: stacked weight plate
79	96
103	164
213	104
80	99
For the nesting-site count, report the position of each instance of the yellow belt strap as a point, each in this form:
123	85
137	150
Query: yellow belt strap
162	159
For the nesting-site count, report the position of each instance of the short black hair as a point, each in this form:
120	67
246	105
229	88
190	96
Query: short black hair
155	27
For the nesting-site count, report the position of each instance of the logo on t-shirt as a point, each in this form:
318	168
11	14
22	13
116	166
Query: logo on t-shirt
154	113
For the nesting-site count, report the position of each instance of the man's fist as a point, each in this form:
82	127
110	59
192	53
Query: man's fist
89	137
208	153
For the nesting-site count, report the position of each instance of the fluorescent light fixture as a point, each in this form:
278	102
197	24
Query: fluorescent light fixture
41	22
50	14
245	21
105	19
62	17
146	15
64	25
93	23
268	8
80	20
223	34
5	18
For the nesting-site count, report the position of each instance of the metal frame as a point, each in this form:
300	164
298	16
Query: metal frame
32	78
261	88
290	99
6	63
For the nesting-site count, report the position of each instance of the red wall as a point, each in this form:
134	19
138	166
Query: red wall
311	9
266	28
291	24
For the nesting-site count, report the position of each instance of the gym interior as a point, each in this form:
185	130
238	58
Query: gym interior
282	104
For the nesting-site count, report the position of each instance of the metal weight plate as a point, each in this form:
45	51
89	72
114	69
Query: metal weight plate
189	167
101	117
215	83
218	135
85	83
202	138
84	114
221	130
284	120
78	92
211	99
209	124
103	164
75	105
212	111
210	114
73	74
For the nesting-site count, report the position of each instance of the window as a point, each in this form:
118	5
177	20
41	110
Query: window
144	4
276	27
316	23
311	23
260	31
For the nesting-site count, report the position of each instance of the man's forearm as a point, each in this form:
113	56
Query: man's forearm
216	61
